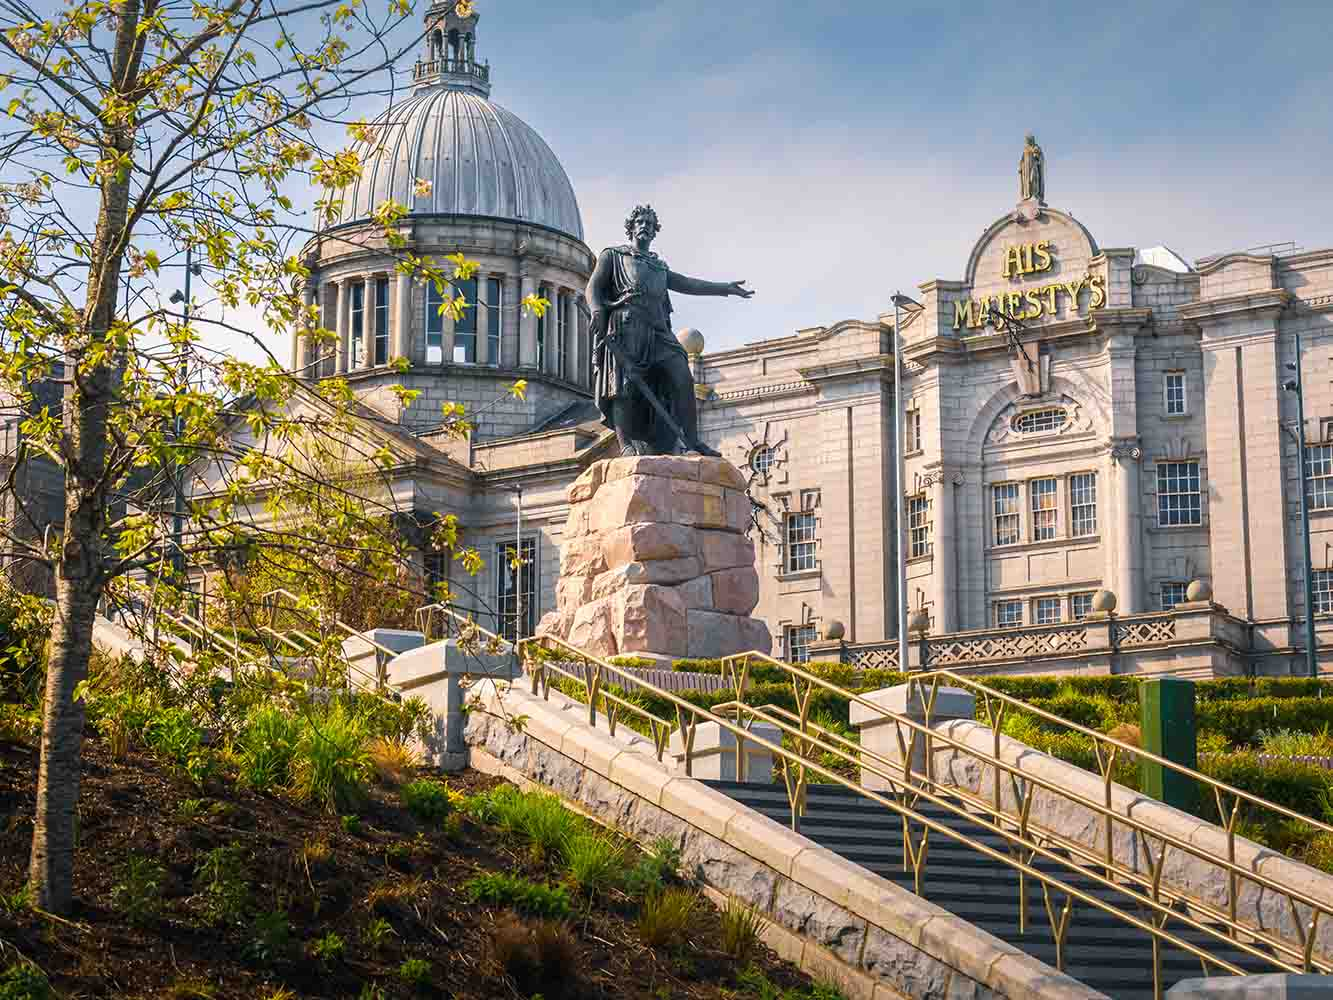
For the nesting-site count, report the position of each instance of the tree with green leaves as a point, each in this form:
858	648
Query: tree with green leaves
144	135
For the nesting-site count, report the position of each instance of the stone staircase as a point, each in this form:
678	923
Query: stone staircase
1099	950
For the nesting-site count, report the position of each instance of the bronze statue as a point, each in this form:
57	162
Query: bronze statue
1032	172
644	385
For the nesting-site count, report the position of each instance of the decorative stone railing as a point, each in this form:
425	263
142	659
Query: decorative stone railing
426	68
1202	631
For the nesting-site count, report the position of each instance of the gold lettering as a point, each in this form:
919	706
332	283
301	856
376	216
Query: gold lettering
1013	262
1097	299
1073	288
1043	255
1011	303
1033	310
1050	291
964	312
1027	258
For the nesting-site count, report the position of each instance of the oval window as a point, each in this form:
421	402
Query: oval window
1038	421
761	460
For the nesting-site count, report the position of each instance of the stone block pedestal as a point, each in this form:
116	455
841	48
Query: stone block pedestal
879	733
1274	986
713	756
655	561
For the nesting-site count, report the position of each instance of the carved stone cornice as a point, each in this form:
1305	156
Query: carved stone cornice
1270	301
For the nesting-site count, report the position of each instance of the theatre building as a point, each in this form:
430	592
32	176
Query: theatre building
1119	439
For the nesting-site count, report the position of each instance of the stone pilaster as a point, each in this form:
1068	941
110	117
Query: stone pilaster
527	326
945	559
402	330
368	322
344	293
483	324
1128	528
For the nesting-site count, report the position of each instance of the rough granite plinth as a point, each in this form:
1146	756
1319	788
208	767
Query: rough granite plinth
655	560
1275	986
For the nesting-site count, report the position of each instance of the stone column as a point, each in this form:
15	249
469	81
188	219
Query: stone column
301	343
368	322
402	330
945	553
483	324
344	287
1128	527
527	326
572	354
447	336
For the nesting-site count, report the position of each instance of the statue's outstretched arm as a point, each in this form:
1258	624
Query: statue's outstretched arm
697	286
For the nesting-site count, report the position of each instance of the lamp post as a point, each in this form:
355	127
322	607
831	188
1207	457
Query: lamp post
1297	386
181	298
517	563
899	472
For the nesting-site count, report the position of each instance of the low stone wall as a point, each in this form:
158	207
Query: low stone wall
1186	873
875	939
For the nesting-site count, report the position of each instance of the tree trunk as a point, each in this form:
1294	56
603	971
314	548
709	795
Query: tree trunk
80	569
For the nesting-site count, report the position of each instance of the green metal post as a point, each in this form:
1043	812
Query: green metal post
1166	716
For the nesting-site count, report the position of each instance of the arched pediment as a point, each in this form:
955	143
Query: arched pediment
1085	412
1073	243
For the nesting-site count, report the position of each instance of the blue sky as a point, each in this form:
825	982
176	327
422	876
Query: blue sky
832	151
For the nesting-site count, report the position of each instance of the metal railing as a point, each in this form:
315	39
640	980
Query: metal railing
1136	899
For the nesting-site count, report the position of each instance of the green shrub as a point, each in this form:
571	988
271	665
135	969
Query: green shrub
501	889
138	893
633	662
1294	743
331	766
416	972
593	862
25	627
428	801
265	748
15	901
270	937
741	925
221	885
376	932
665	915
24	981
173	734
655	869
1296	785
1241	721
327	947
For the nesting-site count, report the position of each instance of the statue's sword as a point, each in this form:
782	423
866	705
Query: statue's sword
689	442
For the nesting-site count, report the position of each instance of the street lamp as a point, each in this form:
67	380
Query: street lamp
900	301
182	299
1296	385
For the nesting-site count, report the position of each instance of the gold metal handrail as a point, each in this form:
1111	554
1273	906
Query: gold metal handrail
465	622
1234	872
906	791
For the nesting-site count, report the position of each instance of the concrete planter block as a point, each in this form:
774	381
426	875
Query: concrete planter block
1270	987
371	661
714	753
879	733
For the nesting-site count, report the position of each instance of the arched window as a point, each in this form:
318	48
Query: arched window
761	459
1039	421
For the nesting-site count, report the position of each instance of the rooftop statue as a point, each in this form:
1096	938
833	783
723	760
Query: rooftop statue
1032	172
644	385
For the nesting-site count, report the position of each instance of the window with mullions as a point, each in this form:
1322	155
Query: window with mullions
1046	610
918	526
561	307
1322	584
1083	504
801	540
1042	492
358	318
434	325
1173	594
1080	606
798	639
1008	613
543	293
515	590
912	431
1178	499
761	459
381	321
1005	507
1039	421
494	300
1174	389
1319	476
465	327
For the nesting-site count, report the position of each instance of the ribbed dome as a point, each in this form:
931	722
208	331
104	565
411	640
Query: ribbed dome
479	158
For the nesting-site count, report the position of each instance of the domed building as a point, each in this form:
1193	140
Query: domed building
478	180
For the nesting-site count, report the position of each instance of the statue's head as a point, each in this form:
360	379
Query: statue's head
1031	139
642	220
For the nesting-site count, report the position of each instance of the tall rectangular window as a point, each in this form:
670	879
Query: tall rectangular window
1046	610
801	534
562	335
1319	476
918	526
358	317
434	325
1083	504
1322	580
1173	594
1178	500
1080	606
543	293
381	321
465	327
1008	613
515	589
1042	492
1005	507
797	641
494	297
912	431
1174	387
